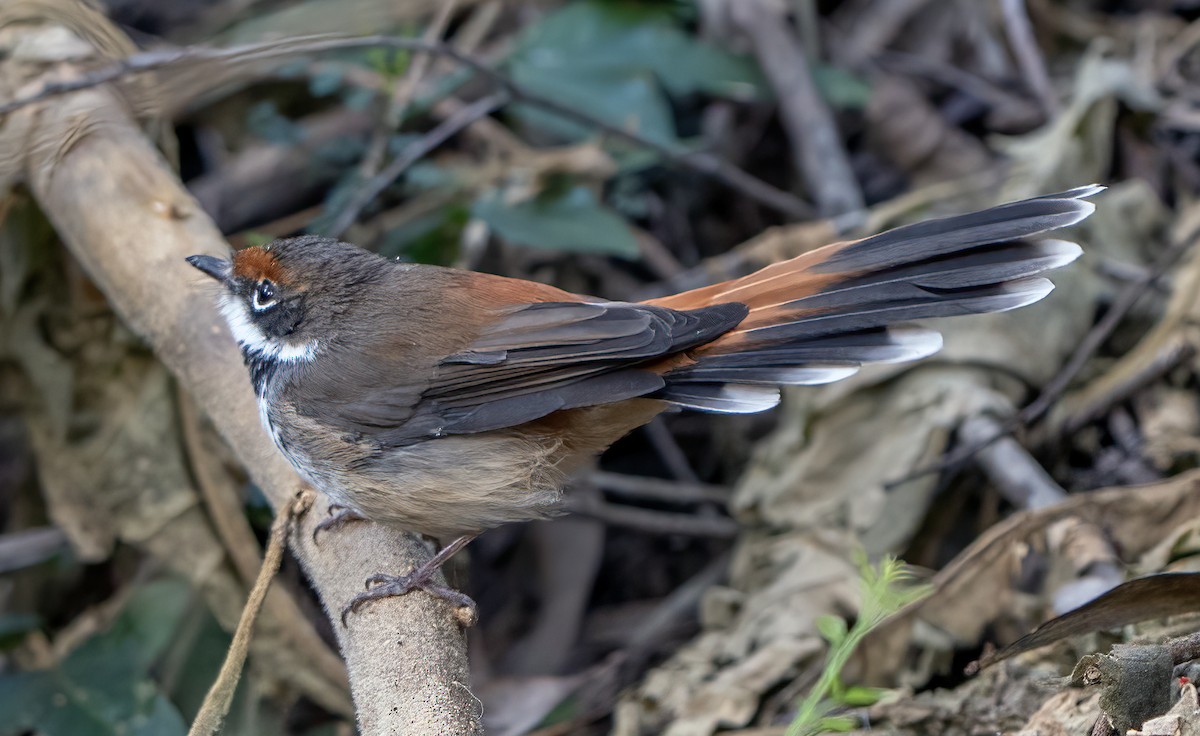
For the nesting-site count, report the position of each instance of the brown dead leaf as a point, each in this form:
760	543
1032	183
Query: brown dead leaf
1170	424
909	131
1077	144
719	679
1069	713
971	592
1153	596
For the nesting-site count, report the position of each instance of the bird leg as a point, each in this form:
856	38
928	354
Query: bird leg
386	586
339	516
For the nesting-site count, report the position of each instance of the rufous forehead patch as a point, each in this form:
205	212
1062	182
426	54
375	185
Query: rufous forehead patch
257	263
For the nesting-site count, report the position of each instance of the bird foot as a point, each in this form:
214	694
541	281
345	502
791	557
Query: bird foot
339	516
386	586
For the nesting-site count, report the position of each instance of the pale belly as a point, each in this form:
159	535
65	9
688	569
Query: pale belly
458	484
441	487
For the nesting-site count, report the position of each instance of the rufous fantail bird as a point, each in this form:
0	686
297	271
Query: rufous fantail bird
446	402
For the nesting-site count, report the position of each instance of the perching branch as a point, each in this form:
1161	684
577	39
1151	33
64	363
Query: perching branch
128	220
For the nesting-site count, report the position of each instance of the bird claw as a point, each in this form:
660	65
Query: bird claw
378	579
386	586
339	516
422	578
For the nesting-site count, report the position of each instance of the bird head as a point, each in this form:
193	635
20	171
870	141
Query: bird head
284	300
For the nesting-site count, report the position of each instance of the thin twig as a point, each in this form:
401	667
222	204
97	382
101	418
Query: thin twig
412	153
670	452
961	79
817	150
407	86
655	522
699	161
657	489
403	91
871	30
1165	358
1094	339
220	695
1010	467
1054	390
1029	56
603	683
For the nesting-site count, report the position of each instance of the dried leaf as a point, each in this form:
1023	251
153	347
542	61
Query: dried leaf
1153	596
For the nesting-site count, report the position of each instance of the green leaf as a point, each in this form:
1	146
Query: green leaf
148	622
832	628
634	104
326	81
391	63
858	696
254	238
14	627
102	687
108	700
630	39
358	98
162	719
426	176
571	221
840	88
432	238
191	666
265	121
616	61
885	590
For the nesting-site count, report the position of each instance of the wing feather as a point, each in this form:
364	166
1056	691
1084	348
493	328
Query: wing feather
532	360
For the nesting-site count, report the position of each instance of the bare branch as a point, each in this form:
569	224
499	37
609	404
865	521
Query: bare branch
413	153
1029	56
1020	478
816	145
647	520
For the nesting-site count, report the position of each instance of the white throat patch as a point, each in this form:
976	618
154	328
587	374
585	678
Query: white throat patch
249	336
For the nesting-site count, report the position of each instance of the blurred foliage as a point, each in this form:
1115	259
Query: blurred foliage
104	686
938	103
569	220
619	62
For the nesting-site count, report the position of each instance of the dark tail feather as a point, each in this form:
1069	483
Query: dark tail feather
817	318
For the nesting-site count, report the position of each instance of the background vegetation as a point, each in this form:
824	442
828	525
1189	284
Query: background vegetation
627	149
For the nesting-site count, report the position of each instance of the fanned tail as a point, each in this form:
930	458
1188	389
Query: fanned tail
819	317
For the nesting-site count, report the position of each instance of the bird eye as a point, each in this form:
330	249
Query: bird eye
264	295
